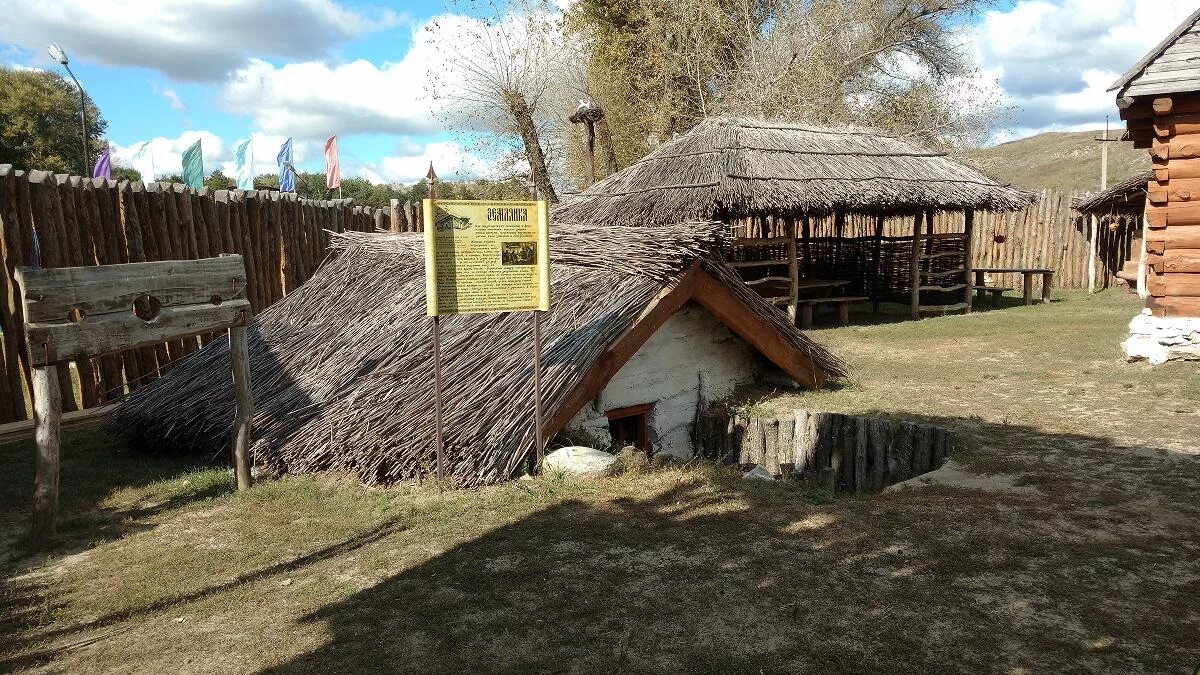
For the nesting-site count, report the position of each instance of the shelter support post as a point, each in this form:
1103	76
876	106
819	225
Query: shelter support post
875	297
1093	230
47	416
915	260
539	447
968	252
244	411
793	270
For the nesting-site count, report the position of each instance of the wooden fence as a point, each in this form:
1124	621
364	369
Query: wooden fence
844	453
49	220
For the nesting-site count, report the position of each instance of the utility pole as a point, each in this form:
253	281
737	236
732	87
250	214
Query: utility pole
1094	228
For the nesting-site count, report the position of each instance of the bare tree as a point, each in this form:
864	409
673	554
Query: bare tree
500	66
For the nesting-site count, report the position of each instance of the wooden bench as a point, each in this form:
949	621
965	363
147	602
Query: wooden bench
996	292
842	303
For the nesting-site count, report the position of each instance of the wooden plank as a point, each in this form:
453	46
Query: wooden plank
12	324
718	299
24	430
755	263
968	255
1179	147
1176	262
47	415
1174	237
107	333
764	241
1174	307
50	294
1174	285
915	270
1178	190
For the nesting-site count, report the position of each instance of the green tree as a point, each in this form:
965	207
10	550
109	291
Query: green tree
217	180
39	122
125	173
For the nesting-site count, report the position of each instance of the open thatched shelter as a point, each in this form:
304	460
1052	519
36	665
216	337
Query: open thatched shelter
1120	212
342	368
782	184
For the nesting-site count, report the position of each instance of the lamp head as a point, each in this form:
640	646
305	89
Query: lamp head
56	52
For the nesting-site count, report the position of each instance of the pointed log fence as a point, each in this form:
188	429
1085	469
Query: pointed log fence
49	220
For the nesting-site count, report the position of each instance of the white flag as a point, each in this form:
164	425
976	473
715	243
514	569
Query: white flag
243	158
143	161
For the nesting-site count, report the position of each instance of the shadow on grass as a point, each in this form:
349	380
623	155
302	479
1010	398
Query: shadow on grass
710	573
725	575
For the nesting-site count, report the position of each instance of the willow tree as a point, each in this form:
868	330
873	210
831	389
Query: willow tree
899	65
498	75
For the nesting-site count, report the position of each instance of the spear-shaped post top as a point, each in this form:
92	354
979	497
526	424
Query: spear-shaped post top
432	176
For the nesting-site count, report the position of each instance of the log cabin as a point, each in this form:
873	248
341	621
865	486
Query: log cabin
1159	100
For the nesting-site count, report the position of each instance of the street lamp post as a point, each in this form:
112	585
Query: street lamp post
56	52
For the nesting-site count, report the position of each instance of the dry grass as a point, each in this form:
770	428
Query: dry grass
1095	568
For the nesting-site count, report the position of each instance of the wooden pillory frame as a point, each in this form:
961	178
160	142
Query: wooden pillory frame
81	312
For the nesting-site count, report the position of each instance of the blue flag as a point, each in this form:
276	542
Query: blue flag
243	157
193	166
287	173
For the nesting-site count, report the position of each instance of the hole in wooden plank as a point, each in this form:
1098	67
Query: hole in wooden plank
76	315
215	299
146	307
999	239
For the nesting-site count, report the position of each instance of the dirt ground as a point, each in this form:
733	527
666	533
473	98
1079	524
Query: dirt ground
1065	537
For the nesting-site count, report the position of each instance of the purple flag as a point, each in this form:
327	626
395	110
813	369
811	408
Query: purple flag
103	165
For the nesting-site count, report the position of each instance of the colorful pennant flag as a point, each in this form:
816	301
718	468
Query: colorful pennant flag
243	157
287	172
143	161
193	166
333	171
103	168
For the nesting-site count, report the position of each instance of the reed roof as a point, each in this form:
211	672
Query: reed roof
1126	197
734	167
341	369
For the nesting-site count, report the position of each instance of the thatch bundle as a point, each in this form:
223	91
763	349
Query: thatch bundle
342	368
1126	197
735	167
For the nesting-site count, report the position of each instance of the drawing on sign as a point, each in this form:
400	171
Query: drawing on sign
518	253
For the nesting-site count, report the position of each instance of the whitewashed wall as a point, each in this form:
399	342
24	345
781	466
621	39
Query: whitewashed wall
667	371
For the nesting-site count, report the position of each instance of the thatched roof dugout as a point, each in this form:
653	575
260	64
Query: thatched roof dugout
342	368
1124	198
734	167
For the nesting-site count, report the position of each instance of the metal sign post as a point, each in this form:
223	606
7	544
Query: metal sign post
437	363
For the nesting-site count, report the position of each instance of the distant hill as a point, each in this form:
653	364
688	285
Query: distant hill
1061	160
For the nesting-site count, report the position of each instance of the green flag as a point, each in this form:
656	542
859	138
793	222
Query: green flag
193	166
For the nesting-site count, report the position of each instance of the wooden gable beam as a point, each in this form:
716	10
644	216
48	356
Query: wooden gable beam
718	299
670	300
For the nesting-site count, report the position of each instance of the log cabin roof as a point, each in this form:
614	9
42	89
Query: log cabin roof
735	167
1125	197
342	374
1172	67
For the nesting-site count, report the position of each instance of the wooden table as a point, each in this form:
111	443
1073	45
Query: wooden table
777	290
1028	272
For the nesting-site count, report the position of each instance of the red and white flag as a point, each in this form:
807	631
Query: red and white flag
333	171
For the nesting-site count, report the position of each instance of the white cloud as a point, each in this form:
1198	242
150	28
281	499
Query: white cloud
1055	60
184	39
450	159
173	98
315	98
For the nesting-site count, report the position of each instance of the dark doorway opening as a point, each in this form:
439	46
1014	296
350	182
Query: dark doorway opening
631	426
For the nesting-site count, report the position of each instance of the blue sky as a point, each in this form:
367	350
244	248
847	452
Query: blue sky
171	71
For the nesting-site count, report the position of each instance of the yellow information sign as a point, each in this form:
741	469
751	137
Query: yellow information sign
483	256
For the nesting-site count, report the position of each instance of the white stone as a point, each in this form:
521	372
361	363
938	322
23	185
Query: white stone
578	460
1160	339
759	472
690	347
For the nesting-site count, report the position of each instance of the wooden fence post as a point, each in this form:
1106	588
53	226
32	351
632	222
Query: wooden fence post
239	357
47	416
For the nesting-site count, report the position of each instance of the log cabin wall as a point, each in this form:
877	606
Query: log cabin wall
49	220
1170	126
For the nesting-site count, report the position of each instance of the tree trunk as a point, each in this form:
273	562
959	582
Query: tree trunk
523	117
604	134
